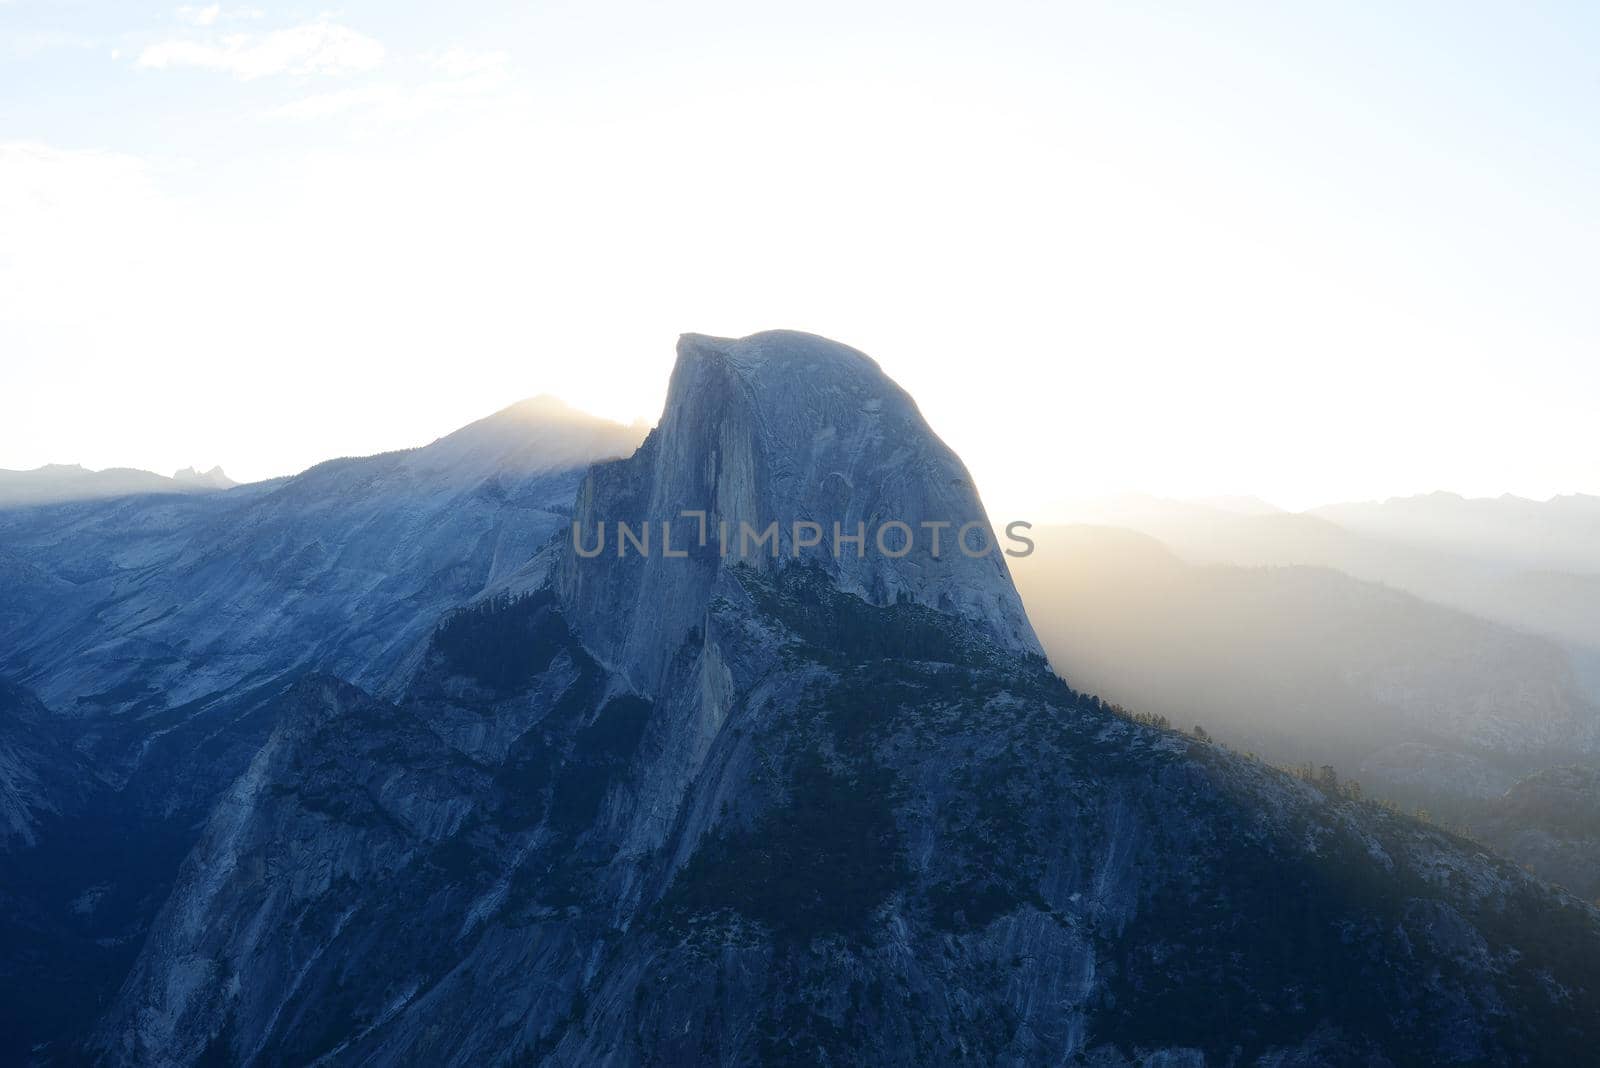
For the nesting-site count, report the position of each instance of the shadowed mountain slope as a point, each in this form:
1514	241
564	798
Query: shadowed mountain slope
161	632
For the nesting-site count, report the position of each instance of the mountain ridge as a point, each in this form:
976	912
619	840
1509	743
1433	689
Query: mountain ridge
68	483
162	631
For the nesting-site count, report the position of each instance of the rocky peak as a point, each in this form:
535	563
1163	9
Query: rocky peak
806	442
212	479
532	437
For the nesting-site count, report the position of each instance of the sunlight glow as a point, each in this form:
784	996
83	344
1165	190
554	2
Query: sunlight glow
1105	246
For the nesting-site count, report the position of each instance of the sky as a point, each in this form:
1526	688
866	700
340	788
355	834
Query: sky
1310	252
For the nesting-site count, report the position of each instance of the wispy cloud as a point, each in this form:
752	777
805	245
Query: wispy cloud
320	47
463	75
200	16
211	14
463	62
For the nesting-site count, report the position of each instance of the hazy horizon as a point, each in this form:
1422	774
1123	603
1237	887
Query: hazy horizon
1046	508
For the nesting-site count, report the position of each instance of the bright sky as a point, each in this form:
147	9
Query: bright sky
1306	251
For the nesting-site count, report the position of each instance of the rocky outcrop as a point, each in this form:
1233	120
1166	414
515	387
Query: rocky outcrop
345	795
775	430
193	478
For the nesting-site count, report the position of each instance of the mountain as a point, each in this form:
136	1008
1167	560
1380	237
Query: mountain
1561	534
1533	564
1238	505
778	429
1525	564
821	806
57	483
212	479
155	636
146	618
1308	664
146	610
1426	706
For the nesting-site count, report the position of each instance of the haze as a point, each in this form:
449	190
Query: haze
1309	255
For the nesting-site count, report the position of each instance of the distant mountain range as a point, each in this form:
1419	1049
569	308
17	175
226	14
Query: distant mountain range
1533	565
1561	534
1306	663
57	483
373	766
1397	642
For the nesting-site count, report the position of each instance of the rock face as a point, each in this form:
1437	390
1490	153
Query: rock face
81	875
696	809
40	774
776	430
161	632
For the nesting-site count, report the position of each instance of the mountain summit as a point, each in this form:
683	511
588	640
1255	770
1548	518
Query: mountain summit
532	437
212	479
805	436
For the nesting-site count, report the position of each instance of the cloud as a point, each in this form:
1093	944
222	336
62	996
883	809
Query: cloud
210	14
462	63
200	16
466	76
384	103
319	47
382	100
